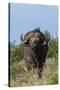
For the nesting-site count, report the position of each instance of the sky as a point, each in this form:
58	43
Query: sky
26	17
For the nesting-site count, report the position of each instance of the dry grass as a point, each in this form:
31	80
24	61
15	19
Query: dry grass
20	76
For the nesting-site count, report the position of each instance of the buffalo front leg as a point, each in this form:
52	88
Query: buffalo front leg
40	69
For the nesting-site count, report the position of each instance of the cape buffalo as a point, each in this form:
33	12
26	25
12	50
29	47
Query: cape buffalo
35	49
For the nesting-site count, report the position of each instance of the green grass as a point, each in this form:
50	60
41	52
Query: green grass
53	79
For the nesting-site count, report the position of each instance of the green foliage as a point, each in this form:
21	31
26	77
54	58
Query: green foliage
47	35
16	54
53	79
53	48
53	45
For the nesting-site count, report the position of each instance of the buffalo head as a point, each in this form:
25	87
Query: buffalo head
34	38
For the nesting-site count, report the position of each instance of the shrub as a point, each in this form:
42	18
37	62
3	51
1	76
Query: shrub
16	54
53	45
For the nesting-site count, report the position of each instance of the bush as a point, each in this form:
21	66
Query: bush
16	54
53	45
53	48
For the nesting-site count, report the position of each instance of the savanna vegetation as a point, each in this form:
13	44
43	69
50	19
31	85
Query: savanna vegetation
20	76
